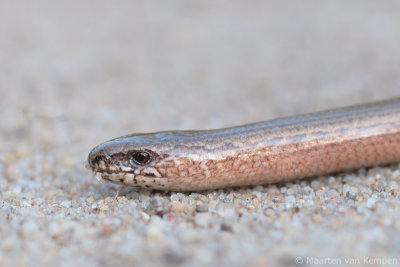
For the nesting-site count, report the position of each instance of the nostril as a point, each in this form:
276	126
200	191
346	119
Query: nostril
94	159
99	159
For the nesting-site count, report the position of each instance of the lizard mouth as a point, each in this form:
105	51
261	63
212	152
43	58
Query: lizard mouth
132	179
104	165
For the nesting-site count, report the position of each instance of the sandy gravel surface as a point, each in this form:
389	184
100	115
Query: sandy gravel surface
73	75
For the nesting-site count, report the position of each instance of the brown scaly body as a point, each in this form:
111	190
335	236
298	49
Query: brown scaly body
259	153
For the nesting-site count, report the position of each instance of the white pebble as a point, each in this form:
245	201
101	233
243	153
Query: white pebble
290	201
17	190
371	201
66	204
393	185
202	219
156	226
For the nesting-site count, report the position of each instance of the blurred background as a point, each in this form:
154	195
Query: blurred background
103	69
76	73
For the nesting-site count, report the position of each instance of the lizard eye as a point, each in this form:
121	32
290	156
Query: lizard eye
141	157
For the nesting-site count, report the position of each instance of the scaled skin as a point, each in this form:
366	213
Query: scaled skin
259	153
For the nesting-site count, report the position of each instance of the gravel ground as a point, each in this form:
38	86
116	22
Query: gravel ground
73	75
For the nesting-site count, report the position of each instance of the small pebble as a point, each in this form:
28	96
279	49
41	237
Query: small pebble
202	219
145	217
351	195
371	201
226	227
17	190
66	204
290	201
156	227
107	229
177	207
201	208
316	218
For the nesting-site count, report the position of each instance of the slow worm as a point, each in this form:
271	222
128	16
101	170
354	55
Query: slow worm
260	153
